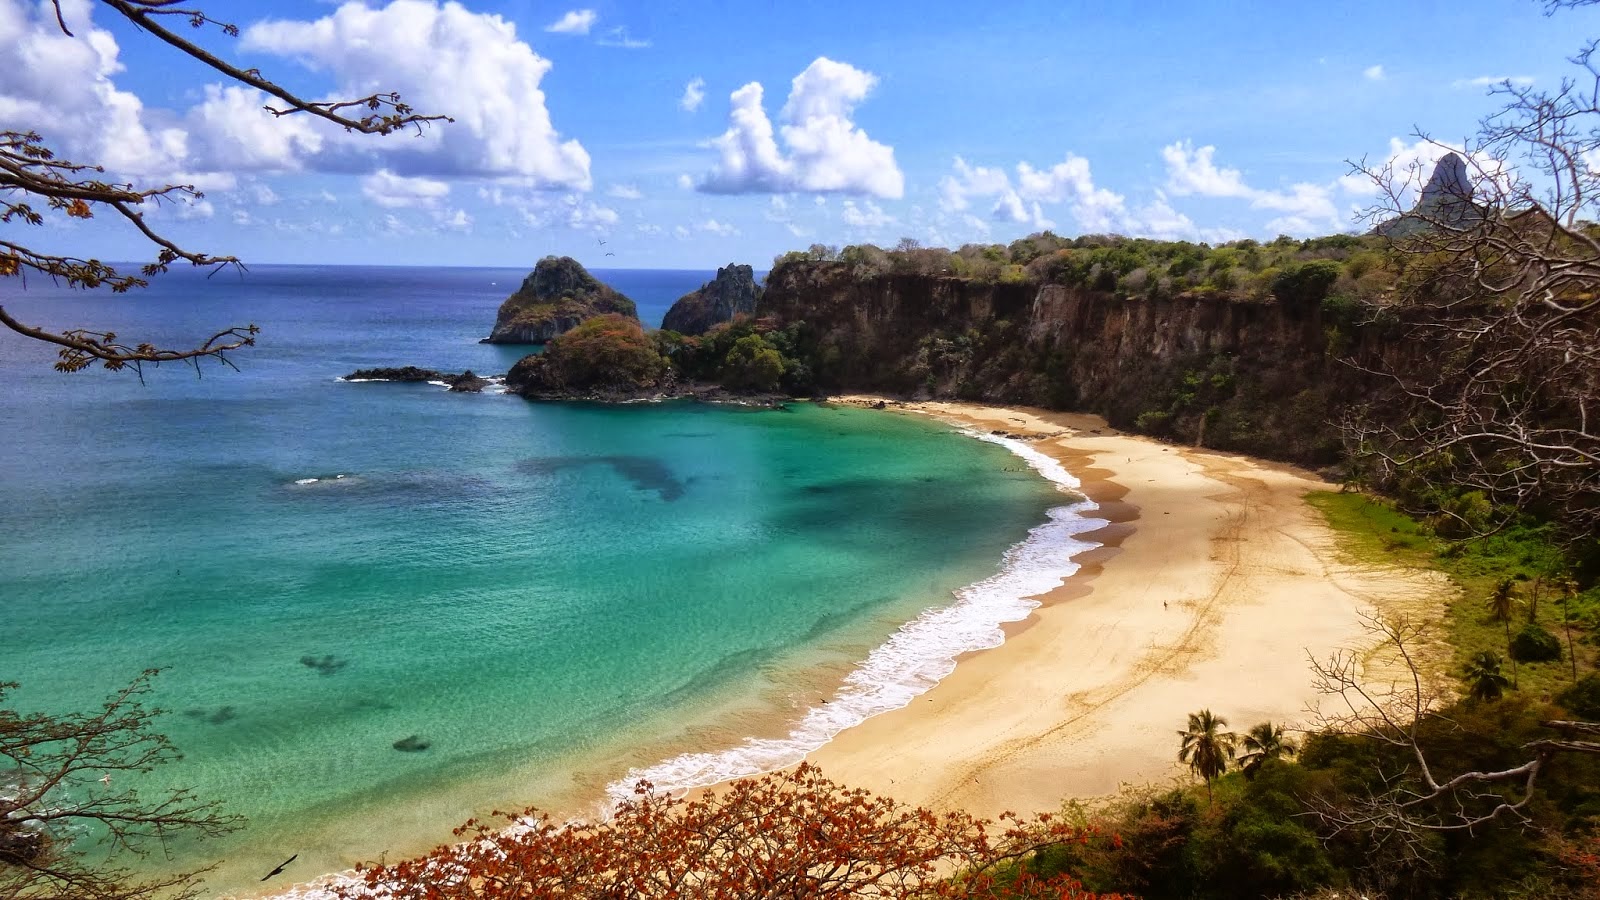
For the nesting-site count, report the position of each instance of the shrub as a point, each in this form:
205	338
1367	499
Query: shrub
1154	421
1305	284
607	352
752	363
1583	698
1534	644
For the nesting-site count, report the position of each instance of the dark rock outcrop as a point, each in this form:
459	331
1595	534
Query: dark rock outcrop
555	298
733	292
467	382
396	373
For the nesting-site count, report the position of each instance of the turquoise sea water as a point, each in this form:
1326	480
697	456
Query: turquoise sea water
548	596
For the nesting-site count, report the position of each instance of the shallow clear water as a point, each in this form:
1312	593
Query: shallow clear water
546	595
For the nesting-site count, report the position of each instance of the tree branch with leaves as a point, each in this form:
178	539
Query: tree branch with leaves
35	181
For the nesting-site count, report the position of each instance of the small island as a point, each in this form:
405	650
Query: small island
555	298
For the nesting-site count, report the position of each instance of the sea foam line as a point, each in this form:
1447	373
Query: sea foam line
916	657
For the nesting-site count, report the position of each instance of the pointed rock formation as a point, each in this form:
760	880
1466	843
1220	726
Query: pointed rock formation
733	292
1446	201
1448	184
557	296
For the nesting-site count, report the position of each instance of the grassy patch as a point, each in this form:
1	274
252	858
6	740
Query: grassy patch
1372	529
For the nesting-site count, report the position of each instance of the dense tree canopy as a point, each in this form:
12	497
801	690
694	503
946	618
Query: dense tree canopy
790	835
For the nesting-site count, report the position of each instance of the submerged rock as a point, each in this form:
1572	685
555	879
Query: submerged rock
325	665
555	298
217	717
732	293
467	382
412	744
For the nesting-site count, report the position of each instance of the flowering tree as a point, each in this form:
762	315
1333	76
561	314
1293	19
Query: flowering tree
789	834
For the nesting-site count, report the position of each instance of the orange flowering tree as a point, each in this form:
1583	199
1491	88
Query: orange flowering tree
790	834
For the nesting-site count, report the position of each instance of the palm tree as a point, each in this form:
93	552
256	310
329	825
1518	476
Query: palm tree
1501	604
1263	742
1206	747
1484	681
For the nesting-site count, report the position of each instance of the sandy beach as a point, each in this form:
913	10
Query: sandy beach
1215	582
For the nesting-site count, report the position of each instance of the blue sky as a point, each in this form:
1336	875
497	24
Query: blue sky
637	123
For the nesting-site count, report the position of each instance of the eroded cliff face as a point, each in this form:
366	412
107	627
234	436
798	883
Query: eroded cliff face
1260	377
733	292
557	296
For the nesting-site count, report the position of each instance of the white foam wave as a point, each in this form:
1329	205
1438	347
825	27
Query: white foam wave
360	380
917	656
307	481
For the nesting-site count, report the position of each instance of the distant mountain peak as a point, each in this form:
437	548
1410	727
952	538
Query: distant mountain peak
1449	182
1446	201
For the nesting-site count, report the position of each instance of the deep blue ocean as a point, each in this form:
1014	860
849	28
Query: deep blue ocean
547	596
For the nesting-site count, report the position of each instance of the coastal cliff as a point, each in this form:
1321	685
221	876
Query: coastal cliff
733	292
1255	375
557	296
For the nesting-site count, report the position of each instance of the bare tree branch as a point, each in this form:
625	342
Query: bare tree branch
1414	800
72	778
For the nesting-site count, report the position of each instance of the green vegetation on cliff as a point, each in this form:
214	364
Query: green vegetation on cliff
603	354
1235	347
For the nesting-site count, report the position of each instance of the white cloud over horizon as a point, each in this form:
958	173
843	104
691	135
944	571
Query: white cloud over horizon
826	151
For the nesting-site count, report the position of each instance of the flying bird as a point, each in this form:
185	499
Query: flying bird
280	868
602	243
609	253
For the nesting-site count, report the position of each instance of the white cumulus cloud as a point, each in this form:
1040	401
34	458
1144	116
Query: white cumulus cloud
392	191
1373	73
866	216
62	86
1069	182
1307	207
576	21
441	58
824	150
